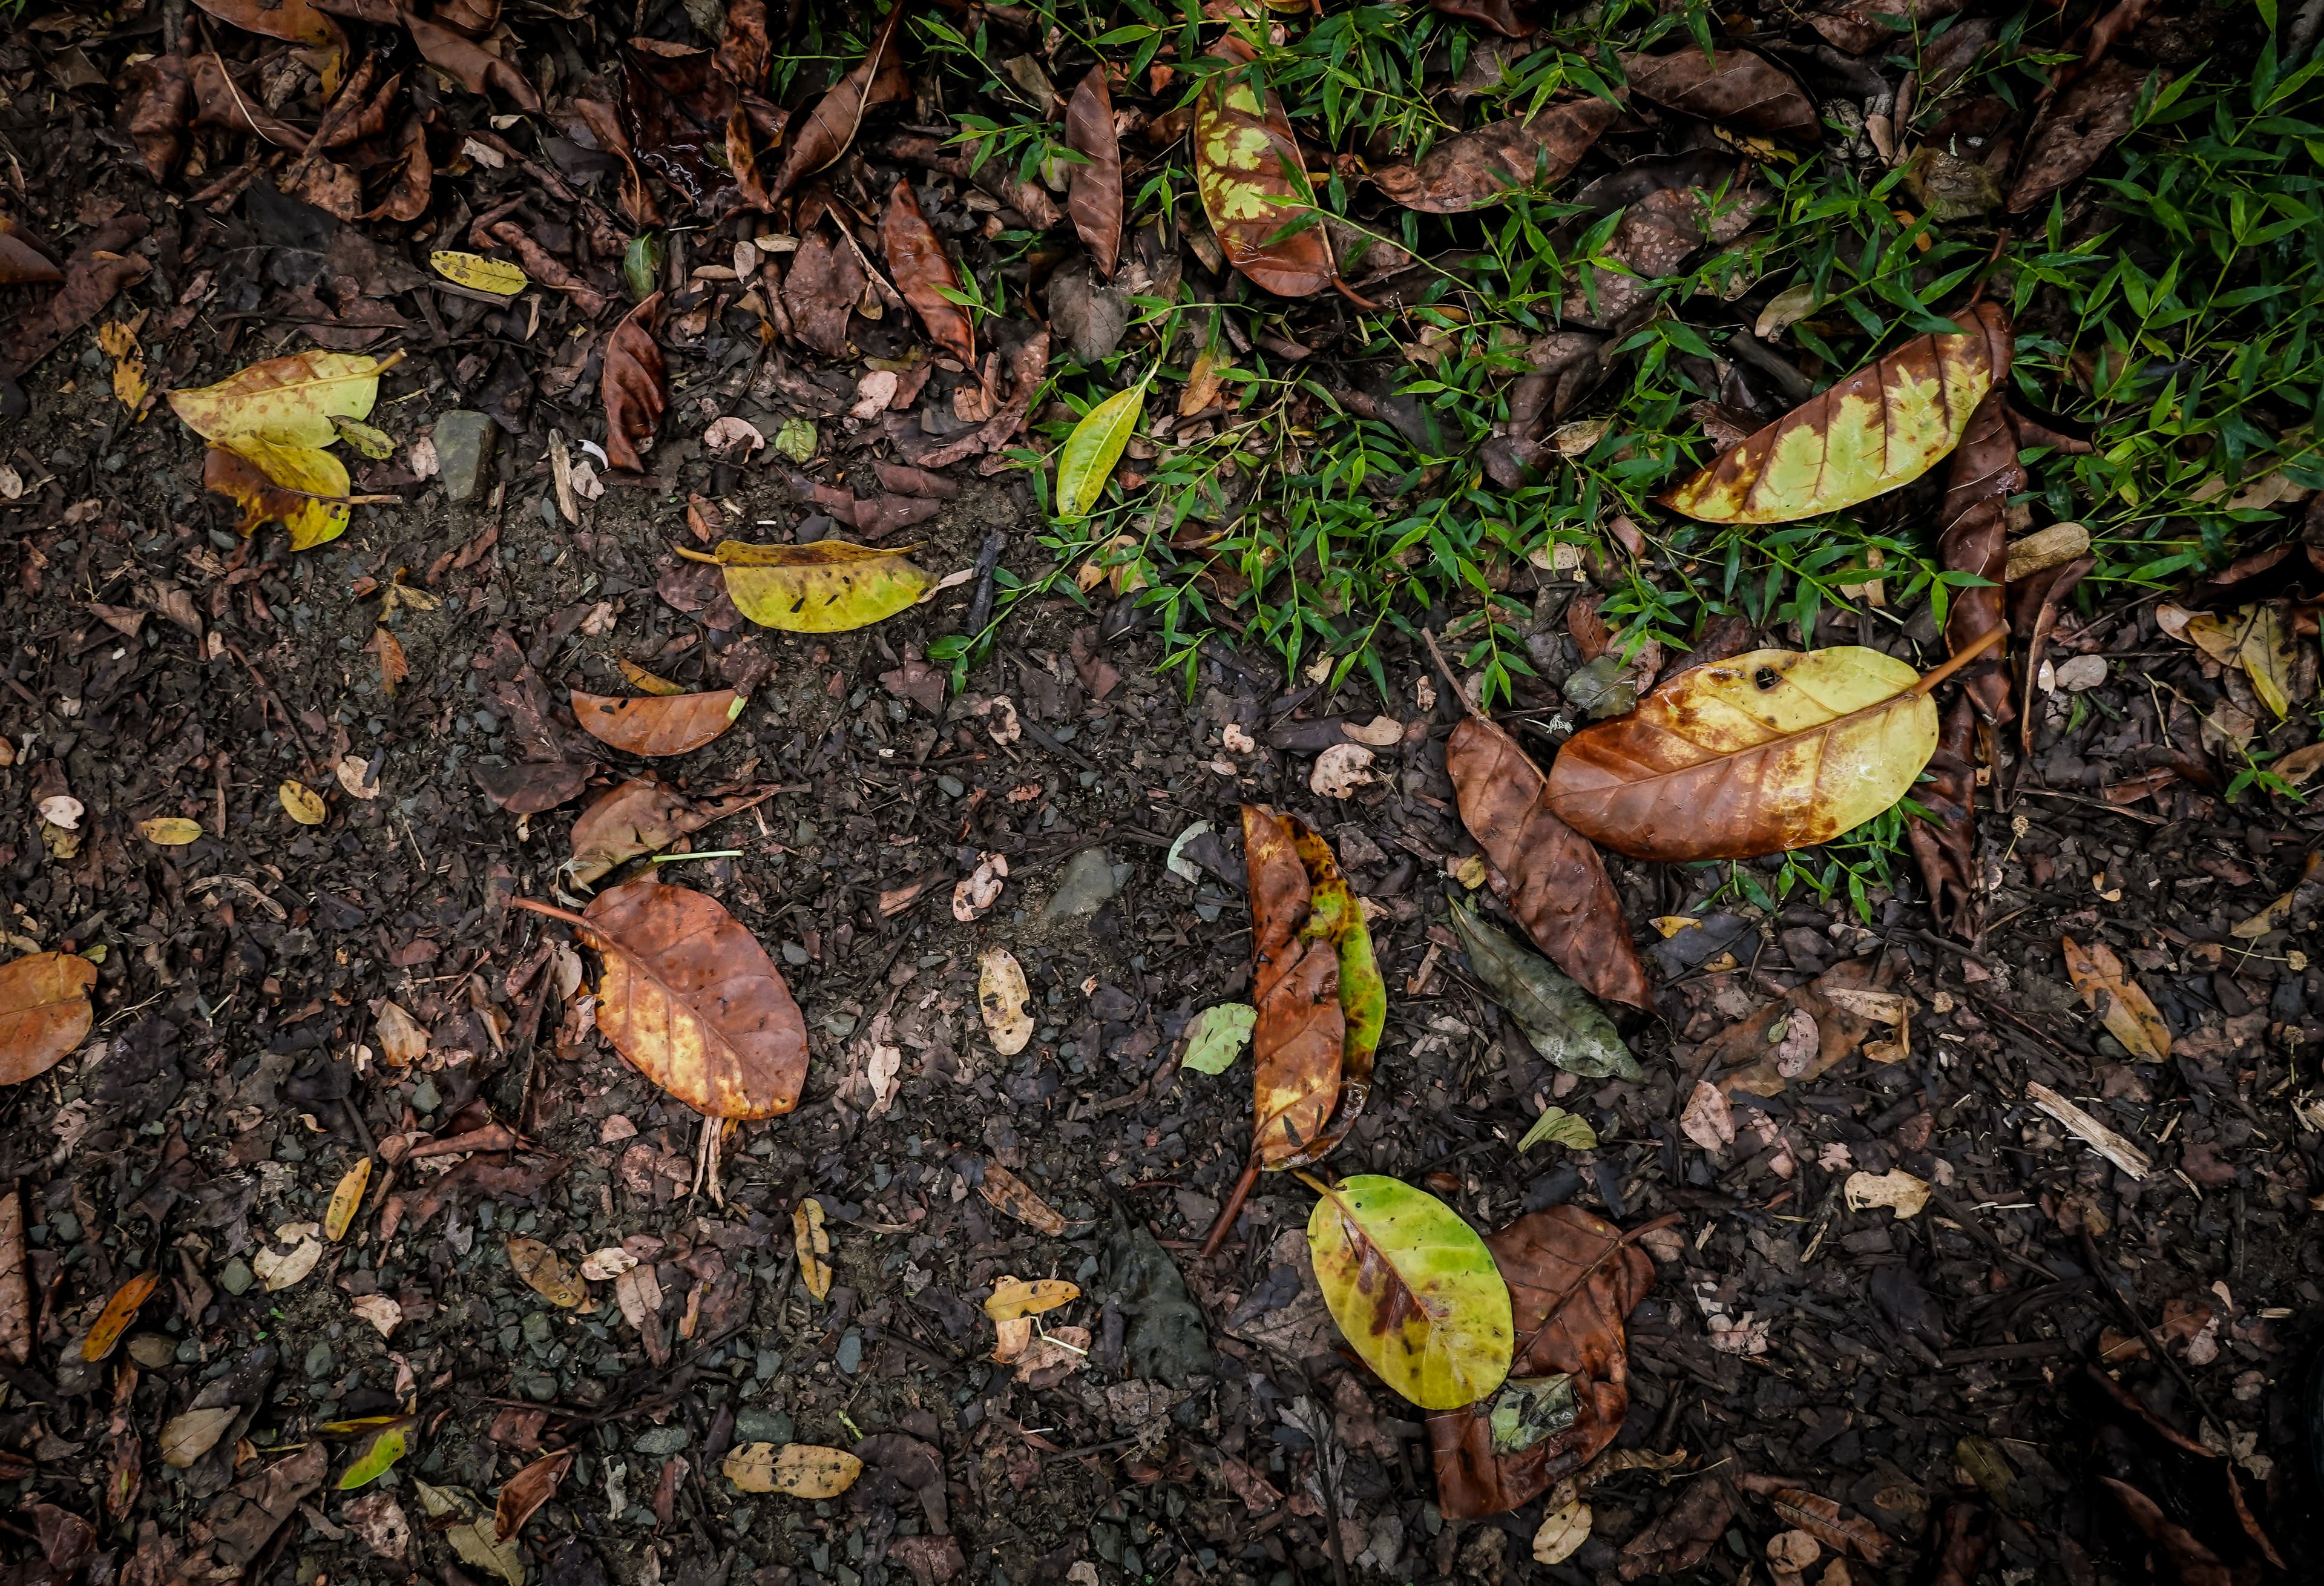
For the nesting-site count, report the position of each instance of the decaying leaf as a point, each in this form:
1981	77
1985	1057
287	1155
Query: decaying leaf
497	276
827	586
1412	1289
1945	843
347	1197
634	387
303	804
1557	1015
120	1310
1012	1194
812	1242
1253	186
1708	1120
828	128
289	401
1879	428
658	724
691	1000
171	831
1733	88
1216	1037
2088	117
295	1249
1550	876
801	1470
1752	1055
1094	187
922	271
643	816
1556	1125
1896	1189
1086	461
1984	477
302	487
187	1437
1015	1297
45	1012
402	1040
469	1530
527	1490
1001	996
1471	169
544	1272
2124	1006
16	1284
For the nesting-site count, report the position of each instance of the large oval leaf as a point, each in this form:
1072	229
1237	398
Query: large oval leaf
922	271
1735	88
1882	426
1094	187
1772	749
827	587
1413	1290
43	1013
1093	449
290	401
657	724
1248	170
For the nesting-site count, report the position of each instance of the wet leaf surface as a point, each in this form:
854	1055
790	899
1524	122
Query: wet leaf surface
1557	1015
1413	1289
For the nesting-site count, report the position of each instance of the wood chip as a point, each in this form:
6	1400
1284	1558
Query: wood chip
2099	1137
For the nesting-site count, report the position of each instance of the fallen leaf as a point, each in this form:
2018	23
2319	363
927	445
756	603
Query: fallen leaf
1564	1527
1011	1338
1094	187
545	1273
1471	169
402	1040
379	1522
1557	1017
1053	1356
1986	476
478	273
1001	996
828	586
387	1444
1896	1189
1412	1289
606	1265
1823	1521
2073	130
1014	1297
1086	463
798	1469
922	272
351	770
1253	182
2121	1004
289	401
345	1198
1685	1532
643	816
303	804
1216	1037
1708	1120
120	1310
1944	843
1340	770
1753	1051
303	488
15	1288
1556	1125
658	724
470	1531
1874	431
475	68
980	890
1732	89
527	1490
45	1012
691	1000
2043	549
293	1255
381	1311
1010	1193
634	387
813	1242
61	810
823	135
187	1437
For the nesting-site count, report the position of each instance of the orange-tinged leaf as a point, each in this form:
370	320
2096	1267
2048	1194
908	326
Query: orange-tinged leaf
294	22
345	1199
545	1272
45	1012
527	1490
813	1242
1013	1297
658	724
303	488
922	271
1093	188
1248	170
640	816
290	401
634	386
1012	1194
647	682
1881	428
2129	1015
119	1311
800	1470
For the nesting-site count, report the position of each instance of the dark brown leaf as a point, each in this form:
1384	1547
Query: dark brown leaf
473	67
407	196
243	1521
220	101
472	17
2108	30
2076	128
824	136
1849	1534
157	105
922	271
1028	365
294	22
1500	15
1672	206
670	724
821	288
1549	875
1945	844
1470	169
643	816
1967	1532
94	274
45	1012
1736	89
1094	190
633	387
675	108
1862	26
2033	616
509	1178
2192	1562
1683	1535
527	1490
1984	476
604	125
15	1290
743	51
1756	1063
533	786
1573	1279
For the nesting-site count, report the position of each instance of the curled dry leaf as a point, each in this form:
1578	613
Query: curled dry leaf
381	1311
2043	549
45	1012
1896	1189
1053	1356
828	586
544	1272
1708	1120
827	130
812	1242
643	816
120	1310
1253	185
1822	1520
1094	187
1413	1289
922	273
1550	876
2120	1002
1733	88
634	387
801	1470
1001	996
293	1255
402	1040
1557	1017
345	1198
1879	428
1341	768
980	890
658	724
15	1286
527	1490
1013	1297
1471	169
1010	1193
691	1000
606	1265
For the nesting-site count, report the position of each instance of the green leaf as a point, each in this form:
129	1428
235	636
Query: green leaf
826	587
1217	1037
797	440
387	1446
642	267
1562	1127
1093	449
1565	1025
1413	1290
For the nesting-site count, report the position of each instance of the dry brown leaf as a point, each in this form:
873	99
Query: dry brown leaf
798	1469
657	723
527	1490
120	1310
813	1243
545	1273
45	1012
2129	1015
1013	1195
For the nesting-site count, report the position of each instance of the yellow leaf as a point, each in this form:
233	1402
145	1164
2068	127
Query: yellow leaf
302	487
801	1470
171	831
640	678
290	401
474	270
813	1244
1092	450
345	1199
374	443
545	1272
303	804
1002	994
1013	1297
2120	1002
826	587
1414	1289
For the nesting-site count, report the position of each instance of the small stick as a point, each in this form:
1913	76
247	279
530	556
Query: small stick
1228	1213
1446	667
1983	642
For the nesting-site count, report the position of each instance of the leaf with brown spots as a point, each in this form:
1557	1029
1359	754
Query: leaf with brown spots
634	387
658	724
1733	88
1248	170
1413	1289
1475	168
691	1000
922	273
2121	1003
1572	1280
1093	188
643	816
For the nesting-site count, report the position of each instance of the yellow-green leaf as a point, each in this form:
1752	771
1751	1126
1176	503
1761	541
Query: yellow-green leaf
1558	1125
290	401
826	587
345	1199
1013	1297
802	1470
303	804
374	443
1217	1037
171	831
1880	427
478	273
386	1447
1093	449
302	487
1413	1290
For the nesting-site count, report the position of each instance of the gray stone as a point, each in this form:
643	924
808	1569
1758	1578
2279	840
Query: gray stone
662	1440
237	1277
464	453
1088	882
758	1424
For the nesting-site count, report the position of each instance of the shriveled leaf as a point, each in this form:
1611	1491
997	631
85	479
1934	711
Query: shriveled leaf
171	831
828	128
1708	1120
545	1273
1471	169
120	1310
381	1312
658	724
1412	1289
2043	549
45	1012
1772	749
634	387
290	401
1556	1125
345	1198
1944	844
1896	1189
1013	1297
402	1040
386	1446
303	804
1217	1036
1087	460
1983	480
1731	88
1253	186
1010	1193
187	1437
812	1240
527	1490
479	273
1874	431
2088	117
302	487
1001	996
828	586
922	272
1549	875
1093	188
801	1470
1824	1521
2123	1005
291	1256
468	63
1322	1004
1557	1015
692	1001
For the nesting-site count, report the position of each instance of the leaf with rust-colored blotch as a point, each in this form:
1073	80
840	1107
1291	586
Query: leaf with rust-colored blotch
1474	168
1253	186
1412	1289
643	816
825	586
1879	428
1944	843
1573	1279
1094	187
1733	89
691	1000
658	724
922	271
1550	876
634	387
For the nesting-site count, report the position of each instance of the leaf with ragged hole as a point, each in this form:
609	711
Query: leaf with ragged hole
2121	1003
1874	431
1094	187
344	1199
643	816
801	1470
290	401
302	487
545	1273
387	1444
922	272
1557	1015
1086	461
1247	171
691	1000
45	1012
1217	1036
119	1311
1001	995
1413	1289
828	586
479	273
659	723
1767	750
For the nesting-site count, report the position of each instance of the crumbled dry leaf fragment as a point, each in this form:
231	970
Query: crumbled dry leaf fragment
813	1242
1896	1189
2129	1015
296	1249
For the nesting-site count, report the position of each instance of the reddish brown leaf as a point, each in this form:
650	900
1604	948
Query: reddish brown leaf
474	68
1863	26
2073	130
1672	206
15	1288
527	1490
1985	476
1733	88
407	196
2033	616
119	1311
1549	875
1851	1535
157	105
533	786
657	724
1573	1279
922	271
1248	172
824	136
45	1012
605	125
1967	1532
1470	168
394	669
1500	15
20	263
2193	1563
94	274
744	49
692	1001
641	816
472	17
1683	1534
1758	1061
294	22
633	387
1945	844
2108	29
1094	190
824	283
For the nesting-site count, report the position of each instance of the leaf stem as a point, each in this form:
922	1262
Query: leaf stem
552	911
1983	642
1228	1213
1446	667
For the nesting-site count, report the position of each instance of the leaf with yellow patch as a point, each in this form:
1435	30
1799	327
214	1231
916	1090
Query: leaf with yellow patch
1253	186
801	1470
120	1310
1880	427
386	1446
345	1199
2120	1002
1412	1289
1013	1297
647	682
303	804
478	273
813	1243
829	586
303	488
171	831
290	401
545	1273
